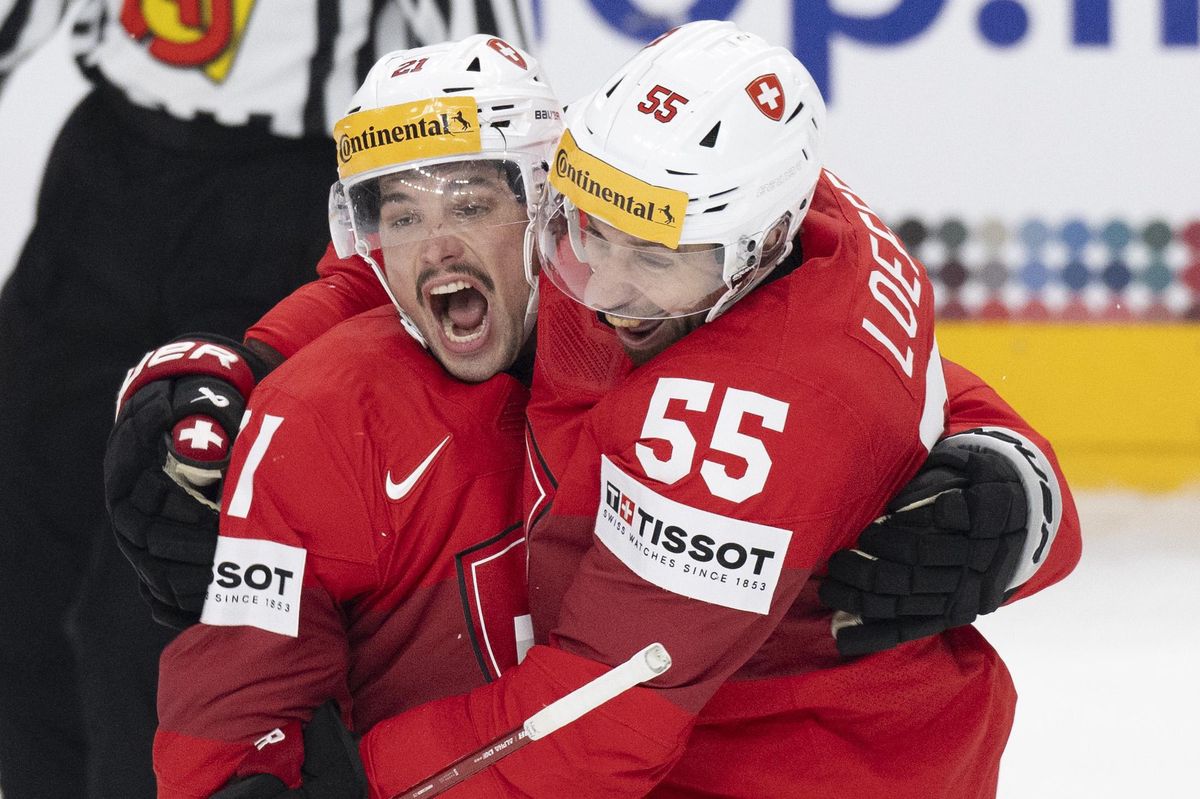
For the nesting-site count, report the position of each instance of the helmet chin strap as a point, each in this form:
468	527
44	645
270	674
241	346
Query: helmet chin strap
531	306
409	326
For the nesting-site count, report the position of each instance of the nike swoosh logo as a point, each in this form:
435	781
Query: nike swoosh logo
400	490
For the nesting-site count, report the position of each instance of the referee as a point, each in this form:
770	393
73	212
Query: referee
187	191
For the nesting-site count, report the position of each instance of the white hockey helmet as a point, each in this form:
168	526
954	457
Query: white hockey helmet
479	99
702	144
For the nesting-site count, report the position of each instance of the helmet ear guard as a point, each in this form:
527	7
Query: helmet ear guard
347	242
341	224
763	254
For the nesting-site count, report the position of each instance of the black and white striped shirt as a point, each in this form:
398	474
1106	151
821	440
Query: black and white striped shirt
287	65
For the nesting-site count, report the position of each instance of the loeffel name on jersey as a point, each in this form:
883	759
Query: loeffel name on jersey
894	319
256	583
686	550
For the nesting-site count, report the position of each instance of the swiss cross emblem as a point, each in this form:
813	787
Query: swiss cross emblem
196	437
492	586
627	509
201	435
767	93
508	51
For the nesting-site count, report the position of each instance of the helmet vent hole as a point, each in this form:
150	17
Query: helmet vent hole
474	65
503	107
613	88
799	108
673	172
501	124
804	152
710	138
453	89
715	208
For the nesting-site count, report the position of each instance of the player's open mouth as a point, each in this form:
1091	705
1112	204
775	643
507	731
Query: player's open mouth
633	332
460	311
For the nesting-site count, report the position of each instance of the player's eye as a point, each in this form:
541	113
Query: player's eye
650	260
471	210
399	219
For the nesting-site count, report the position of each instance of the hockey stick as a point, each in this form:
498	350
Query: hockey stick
643	666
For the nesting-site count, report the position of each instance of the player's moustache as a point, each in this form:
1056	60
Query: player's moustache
461	268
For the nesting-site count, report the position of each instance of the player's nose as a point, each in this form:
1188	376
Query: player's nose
440	249
608	287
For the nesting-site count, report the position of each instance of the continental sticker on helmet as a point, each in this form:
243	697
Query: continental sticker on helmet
433	128
688	551
256	583
629	204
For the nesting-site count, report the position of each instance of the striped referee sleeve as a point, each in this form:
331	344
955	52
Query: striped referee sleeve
25	24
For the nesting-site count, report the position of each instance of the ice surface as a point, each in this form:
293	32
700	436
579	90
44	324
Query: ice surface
1107	663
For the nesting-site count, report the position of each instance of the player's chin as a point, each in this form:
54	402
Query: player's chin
478	363
650	337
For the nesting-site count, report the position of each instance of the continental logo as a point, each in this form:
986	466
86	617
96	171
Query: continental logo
433	128
201	33
629	204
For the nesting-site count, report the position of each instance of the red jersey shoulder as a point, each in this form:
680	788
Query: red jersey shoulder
887	307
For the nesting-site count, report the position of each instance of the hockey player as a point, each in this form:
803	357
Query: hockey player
577	382
371	545
781	395
184	192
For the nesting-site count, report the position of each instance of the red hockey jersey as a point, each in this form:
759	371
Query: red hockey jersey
345	287
371	551
693	505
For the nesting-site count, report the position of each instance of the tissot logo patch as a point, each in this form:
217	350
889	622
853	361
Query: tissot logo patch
686	550
256	583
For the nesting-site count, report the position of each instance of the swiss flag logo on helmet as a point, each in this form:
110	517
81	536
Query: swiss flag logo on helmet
767	93
508	51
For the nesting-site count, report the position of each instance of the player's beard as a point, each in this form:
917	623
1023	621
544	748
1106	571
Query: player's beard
664	335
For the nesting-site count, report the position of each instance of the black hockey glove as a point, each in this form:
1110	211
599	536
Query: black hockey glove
177	415
944	553
332	768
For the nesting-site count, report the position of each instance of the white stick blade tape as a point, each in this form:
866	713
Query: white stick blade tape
643	666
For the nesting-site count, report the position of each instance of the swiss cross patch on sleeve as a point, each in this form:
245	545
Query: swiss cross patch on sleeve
688	551
256	583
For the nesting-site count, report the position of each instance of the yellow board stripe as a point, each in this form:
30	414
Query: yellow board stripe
1119	403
